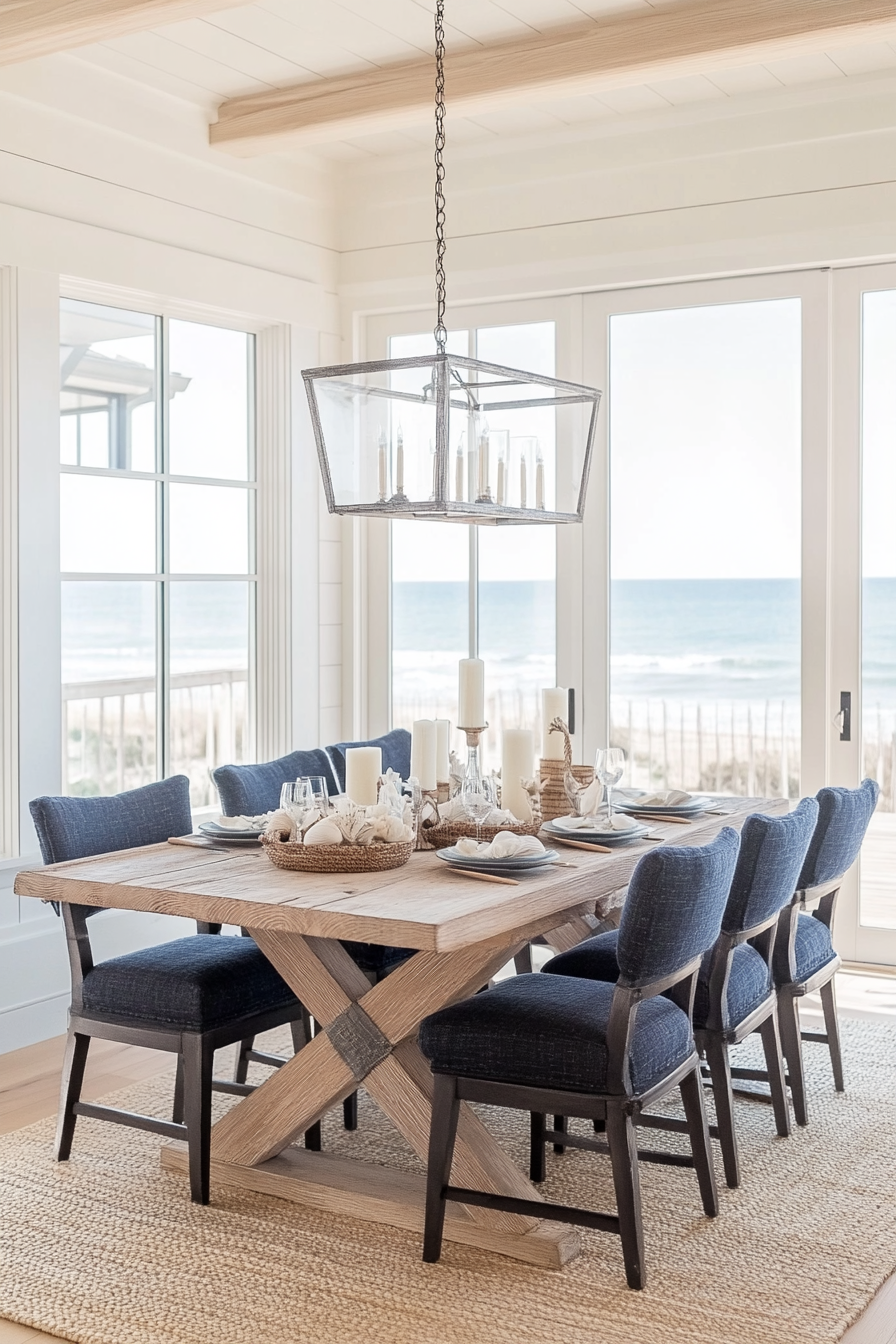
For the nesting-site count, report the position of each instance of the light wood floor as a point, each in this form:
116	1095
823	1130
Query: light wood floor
29	1084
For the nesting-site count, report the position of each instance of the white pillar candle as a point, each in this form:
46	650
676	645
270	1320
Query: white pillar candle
423	753
517	764
471	697
554	705
443	749
363	767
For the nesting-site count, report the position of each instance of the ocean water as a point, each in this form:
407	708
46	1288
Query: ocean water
692	640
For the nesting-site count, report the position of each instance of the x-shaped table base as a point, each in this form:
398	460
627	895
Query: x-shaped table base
368	1034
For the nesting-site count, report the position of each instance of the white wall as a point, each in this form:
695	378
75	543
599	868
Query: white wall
112	184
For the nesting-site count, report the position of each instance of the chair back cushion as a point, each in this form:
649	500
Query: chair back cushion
843	817
75	828
249	790
395	746
772	853
673	911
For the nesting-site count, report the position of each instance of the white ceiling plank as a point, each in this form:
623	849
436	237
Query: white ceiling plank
808	69
639	98
249	59
746	79
690	89
573	110
518	120
128	67
865	59
540	14
405	20
156	50
32	28
678	42
330	27
483	21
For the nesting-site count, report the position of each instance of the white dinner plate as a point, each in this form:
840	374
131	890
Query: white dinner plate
513	862
594	835
627	801
212	831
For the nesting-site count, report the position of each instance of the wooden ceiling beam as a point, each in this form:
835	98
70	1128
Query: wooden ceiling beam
30	28
694	37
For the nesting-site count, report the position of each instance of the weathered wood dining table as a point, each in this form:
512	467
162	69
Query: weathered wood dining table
463	931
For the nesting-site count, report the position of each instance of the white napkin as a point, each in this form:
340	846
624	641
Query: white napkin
505	845
619	823
591	799
454	810
243	823
671	798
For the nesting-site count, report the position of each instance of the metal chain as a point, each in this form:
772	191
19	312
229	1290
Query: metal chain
440	332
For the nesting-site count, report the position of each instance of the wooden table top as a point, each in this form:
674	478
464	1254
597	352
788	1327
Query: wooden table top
423	905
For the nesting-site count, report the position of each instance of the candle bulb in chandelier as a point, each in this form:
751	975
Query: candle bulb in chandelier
399	462
459	471
381	465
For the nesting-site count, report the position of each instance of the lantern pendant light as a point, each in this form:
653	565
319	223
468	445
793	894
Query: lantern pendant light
446	437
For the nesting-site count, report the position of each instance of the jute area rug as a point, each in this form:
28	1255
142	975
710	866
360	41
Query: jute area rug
107	1249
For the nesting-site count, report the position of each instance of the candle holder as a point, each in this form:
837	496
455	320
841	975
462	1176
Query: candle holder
473	772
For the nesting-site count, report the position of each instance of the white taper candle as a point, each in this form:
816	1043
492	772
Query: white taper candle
423	753
554	704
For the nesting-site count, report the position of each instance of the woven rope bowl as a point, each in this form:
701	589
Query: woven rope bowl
335	858
447	832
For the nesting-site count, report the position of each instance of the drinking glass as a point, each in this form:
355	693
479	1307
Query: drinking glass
319	794
609	765
476	803
296	795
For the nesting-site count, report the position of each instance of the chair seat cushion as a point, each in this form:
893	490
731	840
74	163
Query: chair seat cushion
550	1031
748	983
375	958
191	984
812	946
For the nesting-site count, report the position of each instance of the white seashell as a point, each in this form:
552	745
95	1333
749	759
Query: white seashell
324	832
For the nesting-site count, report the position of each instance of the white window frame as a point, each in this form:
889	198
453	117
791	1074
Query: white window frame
368	642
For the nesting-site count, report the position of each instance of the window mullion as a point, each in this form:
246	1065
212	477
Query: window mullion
163	604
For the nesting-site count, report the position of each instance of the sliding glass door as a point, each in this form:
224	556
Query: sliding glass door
864	591
711	428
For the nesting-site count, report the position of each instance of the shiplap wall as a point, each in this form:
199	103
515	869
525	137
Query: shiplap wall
114	185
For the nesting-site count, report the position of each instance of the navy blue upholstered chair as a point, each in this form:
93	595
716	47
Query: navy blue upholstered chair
395	746
587	1048
735	991
249	790
190	996
804	959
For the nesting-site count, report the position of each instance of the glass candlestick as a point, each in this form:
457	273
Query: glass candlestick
473	772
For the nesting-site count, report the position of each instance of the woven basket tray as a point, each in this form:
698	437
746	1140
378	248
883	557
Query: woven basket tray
447	832
335	858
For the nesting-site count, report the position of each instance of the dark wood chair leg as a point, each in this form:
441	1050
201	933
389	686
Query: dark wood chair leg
698	1130
720	1072
241	1068
789	1024
560	1125
537	1170
832	1027
350	1111
523	961
627	1184
303	1036
177	1107
445	1111
76	1048
774	1063
198	1060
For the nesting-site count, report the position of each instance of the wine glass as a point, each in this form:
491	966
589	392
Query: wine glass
296	795
320	796
609	765
476	803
